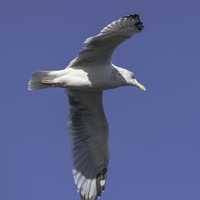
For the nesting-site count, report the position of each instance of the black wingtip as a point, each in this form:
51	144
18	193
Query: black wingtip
138	23
134	16
101	176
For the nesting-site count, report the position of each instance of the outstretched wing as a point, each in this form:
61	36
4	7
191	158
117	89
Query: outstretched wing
89	130
99	48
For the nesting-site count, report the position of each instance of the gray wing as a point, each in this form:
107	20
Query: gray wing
98	49
89	130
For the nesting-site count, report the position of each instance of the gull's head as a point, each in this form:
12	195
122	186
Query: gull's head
138	24
130	79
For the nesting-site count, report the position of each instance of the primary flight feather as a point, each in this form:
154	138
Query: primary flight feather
84	79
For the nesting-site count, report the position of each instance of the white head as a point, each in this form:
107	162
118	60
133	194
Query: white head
128	78
134	82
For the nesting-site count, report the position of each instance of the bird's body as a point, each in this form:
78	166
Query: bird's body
88	78
85	78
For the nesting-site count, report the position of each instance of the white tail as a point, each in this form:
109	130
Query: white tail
43	79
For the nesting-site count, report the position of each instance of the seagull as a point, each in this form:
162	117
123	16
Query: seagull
84	79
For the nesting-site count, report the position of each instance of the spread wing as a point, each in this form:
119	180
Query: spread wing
98	49
89	130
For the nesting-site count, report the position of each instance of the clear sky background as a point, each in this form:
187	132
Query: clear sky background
154	135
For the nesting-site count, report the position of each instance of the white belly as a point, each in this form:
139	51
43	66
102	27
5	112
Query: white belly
89	78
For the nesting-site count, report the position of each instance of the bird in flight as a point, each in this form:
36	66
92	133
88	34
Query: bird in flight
85	78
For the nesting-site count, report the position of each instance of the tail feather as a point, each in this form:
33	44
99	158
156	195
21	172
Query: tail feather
42	79
35	85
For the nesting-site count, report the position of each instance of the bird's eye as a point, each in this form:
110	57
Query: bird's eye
132	75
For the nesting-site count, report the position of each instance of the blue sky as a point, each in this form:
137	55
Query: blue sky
154	135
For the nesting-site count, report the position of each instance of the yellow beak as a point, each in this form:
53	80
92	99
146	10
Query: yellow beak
139	85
